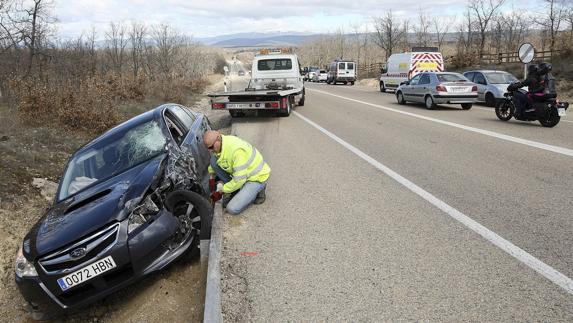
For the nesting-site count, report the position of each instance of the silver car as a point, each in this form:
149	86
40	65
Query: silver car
438	88
491	84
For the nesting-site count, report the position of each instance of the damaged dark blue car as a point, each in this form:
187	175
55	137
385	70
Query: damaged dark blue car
129	203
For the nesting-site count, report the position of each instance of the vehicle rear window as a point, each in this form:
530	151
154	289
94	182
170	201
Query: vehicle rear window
500	78
341	66
451	78
350	66
274	64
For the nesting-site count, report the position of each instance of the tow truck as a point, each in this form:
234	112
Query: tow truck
276	84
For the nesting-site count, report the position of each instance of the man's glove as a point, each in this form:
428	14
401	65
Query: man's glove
215	196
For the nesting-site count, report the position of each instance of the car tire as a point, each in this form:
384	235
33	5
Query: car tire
489	100
429	102
400	98
466	106
352	83
176	201
382	87
301	101
345	82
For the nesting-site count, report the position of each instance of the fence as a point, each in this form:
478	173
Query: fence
369	70
512	57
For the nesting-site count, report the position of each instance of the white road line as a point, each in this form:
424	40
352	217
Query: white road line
535	144
513	250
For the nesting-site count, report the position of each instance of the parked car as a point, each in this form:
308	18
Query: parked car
129	203
320	76
342	71
491	84
241	73
437	88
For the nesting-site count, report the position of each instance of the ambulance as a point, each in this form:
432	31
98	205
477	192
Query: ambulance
402	67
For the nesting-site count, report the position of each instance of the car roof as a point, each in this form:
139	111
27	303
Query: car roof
487	71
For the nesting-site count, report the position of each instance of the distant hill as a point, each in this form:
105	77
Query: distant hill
258	39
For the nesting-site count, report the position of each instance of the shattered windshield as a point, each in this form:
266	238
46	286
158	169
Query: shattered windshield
111	157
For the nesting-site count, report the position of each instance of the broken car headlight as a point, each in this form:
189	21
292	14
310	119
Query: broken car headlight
24	268
141	214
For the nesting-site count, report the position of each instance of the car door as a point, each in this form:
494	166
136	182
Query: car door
423	87
481	82
410	89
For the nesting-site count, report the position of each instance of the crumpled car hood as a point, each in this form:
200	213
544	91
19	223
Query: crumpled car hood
91	209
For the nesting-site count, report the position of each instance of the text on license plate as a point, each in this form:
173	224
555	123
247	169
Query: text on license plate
245	105
459	89
561	112
88	272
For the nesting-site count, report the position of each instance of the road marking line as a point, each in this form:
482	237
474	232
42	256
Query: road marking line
534	144
513	250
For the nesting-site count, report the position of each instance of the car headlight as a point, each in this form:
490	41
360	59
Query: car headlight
24	268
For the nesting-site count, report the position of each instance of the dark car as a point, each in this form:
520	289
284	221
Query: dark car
129	203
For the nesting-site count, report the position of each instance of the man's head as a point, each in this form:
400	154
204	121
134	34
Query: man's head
212	140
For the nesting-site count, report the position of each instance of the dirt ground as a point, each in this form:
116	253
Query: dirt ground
174	295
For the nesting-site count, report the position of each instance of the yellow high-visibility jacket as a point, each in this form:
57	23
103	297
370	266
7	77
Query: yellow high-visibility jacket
243	161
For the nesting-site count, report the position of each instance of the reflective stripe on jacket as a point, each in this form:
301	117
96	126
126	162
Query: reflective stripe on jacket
243	161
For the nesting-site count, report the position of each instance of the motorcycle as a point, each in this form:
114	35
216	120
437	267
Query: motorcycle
548	112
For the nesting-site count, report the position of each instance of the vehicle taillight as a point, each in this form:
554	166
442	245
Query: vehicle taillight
218	105
271	105
284	103
441	88
474	88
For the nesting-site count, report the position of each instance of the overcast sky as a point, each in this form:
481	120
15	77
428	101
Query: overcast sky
206	18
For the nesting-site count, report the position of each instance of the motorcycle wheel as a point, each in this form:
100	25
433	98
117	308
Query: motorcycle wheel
504	110
200	215
550	119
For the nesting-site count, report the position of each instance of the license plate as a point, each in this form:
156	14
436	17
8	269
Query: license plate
254	105
561	112
459	89
88	272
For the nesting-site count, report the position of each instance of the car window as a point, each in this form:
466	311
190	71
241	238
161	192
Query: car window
114	155
186	118
451	77
175	126
341	66
470	76
500	78
425	79
479	79
279	64
415	80
350	66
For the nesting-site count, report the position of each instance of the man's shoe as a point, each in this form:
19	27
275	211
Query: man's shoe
261	197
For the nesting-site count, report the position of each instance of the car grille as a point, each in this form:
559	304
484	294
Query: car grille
91	246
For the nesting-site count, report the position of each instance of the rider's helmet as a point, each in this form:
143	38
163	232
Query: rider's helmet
544	68
532	69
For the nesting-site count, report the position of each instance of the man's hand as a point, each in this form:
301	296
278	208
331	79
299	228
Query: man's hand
215	196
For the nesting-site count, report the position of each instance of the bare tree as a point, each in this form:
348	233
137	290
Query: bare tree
483	11
422	29
551	22
441	27
137	39
389	32
116	41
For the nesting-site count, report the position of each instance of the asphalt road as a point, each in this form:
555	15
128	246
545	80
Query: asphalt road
377	211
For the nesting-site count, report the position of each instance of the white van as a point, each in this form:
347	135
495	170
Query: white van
404	66
341	71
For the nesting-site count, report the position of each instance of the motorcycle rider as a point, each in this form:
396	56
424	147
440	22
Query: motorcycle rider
536	88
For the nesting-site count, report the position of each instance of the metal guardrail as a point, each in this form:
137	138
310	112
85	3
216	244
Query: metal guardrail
212	312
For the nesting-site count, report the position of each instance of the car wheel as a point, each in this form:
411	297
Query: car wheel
400	97
466	106
301	101
430	105
196	212
345	82
489	100
382	87
288	109
352	83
